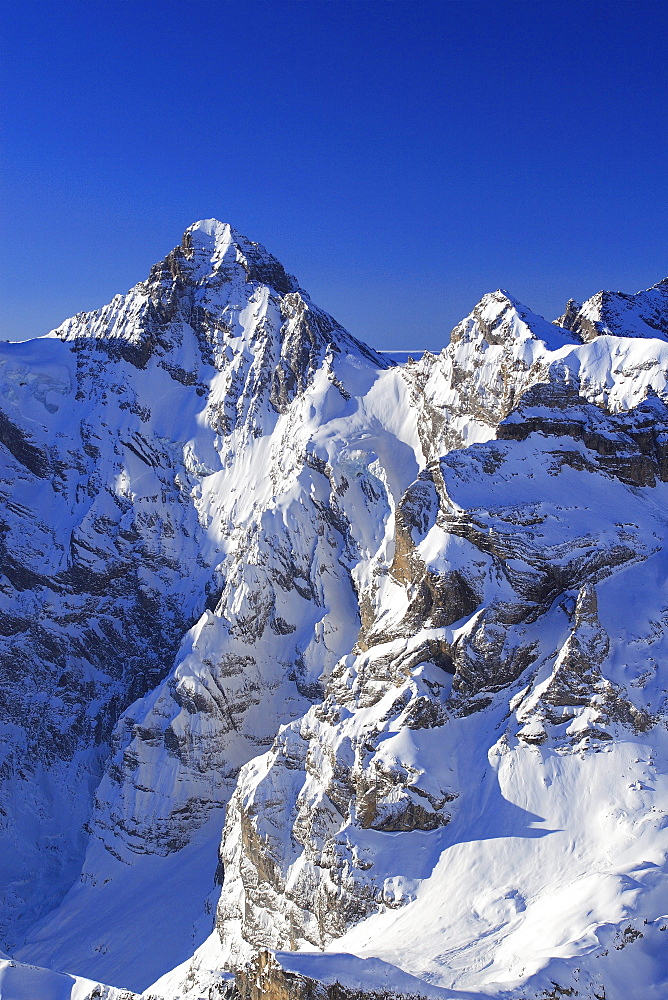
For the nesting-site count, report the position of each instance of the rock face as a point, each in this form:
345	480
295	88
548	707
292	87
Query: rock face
303	652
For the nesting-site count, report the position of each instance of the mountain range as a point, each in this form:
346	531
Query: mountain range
326	676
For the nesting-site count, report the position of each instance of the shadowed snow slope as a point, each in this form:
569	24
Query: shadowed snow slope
307	651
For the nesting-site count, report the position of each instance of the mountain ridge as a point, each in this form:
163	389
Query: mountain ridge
266	592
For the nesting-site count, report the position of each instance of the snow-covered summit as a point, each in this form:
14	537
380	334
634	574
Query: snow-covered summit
618	314
217	244
221	301
499	318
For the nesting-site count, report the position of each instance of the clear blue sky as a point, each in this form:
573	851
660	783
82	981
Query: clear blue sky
401	158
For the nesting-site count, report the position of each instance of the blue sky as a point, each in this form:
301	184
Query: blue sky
401	158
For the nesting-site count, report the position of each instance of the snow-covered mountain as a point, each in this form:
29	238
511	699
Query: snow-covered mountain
319	669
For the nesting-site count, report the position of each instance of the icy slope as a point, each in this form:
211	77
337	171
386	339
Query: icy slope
28	982
370	607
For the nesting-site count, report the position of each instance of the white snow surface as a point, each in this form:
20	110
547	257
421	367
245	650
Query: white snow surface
408	678
28	982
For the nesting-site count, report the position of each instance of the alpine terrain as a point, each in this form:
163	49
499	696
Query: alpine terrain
323	676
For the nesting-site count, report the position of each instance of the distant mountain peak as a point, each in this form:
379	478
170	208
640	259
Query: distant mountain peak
500	318
619	314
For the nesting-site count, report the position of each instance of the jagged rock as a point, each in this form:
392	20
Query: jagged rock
265	979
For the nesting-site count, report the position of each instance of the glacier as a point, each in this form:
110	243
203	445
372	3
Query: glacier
328	671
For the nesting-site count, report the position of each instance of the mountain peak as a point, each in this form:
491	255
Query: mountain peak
204	285
217	245
211	236
619	314
500	318
213	228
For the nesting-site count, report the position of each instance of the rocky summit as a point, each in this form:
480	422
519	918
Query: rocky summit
327	677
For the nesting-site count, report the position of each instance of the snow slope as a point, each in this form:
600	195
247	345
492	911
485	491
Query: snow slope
309	650
28	982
